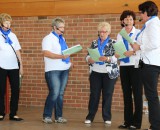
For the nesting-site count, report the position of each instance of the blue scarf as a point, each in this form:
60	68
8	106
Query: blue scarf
101	48
5	33
126	60
144	26
63	46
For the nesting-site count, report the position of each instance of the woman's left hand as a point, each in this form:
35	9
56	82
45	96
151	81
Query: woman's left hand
21	70
135	47
104	58
128	53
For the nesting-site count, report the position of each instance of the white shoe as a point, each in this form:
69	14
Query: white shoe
61	120
87	121
108	122
47	120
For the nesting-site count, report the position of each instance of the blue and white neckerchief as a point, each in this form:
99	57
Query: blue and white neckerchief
101	48
5	33
63	46
144	26
126	60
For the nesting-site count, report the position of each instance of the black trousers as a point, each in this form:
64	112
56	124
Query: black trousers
132	92
150	75
100	82
13	76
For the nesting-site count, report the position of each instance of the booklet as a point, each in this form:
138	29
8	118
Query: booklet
72	50
125	35
120	48
94	54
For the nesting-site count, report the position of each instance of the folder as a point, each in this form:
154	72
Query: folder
120	48
125	35
72	50
94	54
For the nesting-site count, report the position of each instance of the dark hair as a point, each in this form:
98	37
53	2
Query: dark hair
149	7
127	13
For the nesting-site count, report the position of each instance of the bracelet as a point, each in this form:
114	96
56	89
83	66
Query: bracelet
134	53
107	59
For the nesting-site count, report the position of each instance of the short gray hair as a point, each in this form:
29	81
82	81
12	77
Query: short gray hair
106	25
57	21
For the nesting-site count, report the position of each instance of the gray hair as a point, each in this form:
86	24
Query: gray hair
57	21
106	25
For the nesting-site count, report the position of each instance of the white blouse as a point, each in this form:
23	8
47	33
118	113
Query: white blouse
149	40
8	58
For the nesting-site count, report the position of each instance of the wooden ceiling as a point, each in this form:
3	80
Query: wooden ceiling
67	7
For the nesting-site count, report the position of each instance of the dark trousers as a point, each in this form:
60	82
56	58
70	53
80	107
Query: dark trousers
100	82
132	85
150	75
13	76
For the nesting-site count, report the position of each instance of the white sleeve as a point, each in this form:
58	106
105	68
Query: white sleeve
16	42
46	44
151	37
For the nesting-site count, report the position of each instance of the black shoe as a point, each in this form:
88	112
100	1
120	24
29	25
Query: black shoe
132	127
1	118
123	126
15	118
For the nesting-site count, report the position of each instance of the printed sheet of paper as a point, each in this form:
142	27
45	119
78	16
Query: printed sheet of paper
120	49
94	54
72	50
125	35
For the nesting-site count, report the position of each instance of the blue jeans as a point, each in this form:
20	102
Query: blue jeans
56	82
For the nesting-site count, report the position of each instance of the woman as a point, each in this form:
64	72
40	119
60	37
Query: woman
9	67
56	71
103	74
130	75
148	41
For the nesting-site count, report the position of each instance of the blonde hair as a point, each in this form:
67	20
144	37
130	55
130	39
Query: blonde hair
4	17
106	25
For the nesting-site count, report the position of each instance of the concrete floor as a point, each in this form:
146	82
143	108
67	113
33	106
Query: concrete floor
33	116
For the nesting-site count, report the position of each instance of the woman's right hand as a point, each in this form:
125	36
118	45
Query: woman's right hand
116	55
91	61
65	56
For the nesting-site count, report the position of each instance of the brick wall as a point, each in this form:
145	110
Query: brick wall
80	29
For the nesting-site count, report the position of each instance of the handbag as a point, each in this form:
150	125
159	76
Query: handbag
19	64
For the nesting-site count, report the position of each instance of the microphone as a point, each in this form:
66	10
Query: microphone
59	30
4	26
98	35
140	20
125	24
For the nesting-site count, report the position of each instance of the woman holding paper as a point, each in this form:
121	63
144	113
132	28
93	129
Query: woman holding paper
130	74
148	41
103	74
56	71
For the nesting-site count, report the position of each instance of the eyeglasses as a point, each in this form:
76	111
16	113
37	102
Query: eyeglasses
141	12
61	27
7	22
102	32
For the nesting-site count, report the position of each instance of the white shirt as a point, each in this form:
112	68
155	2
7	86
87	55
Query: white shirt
149	40
51	43
134	59
8	58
